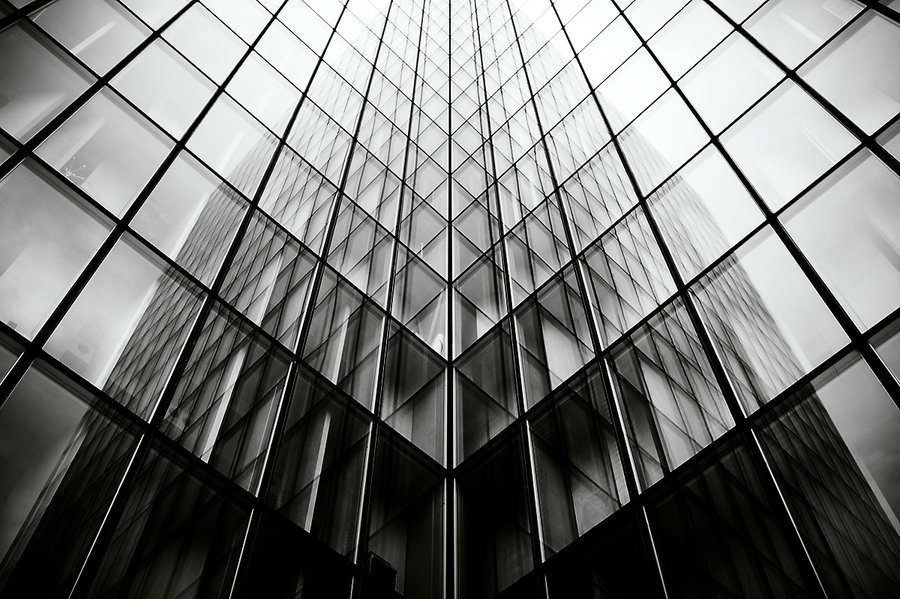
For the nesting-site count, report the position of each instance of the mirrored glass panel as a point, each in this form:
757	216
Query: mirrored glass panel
99	32
849	226
47	236
856	74
108	150
37	81
785	142
767	321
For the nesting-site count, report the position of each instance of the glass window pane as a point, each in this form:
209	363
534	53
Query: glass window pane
46	239
206	42
178	536
703	211
610	49
36	81
785	142
125	328
728	81
794	29
246	17
834	448
165	86
738	9
856	73
191	215
661	140
628	91
235	144
155	12
306	24
287	54
686	38
108	150
769	324
62	464
223	409
264	92
849	228
99	32
649	15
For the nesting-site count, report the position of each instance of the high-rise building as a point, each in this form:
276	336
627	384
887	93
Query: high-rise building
406	298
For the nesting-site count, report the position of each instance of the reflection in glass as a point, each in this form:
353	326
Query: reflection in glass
178	536
99	32
626	275
317	477
46	238
269	280
835	449
165	86
223	409
785	142
108	150
192	216
794	29
62	462
554	339
728	81
661	140
669	395
717	533
406	523
855	71
413	400
234	144
494	535
36	81
849	228
579	476
485	391
126	328
344	340
767	321
702	211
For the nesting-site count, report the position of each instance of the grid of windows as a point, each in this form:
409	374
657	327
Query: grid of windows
408	298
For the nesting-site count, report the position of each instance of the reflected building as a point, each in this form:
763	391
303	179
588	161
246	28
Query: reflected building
402	298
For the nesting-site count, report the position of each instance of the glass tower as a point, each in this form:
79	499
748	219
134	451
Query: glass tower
408	298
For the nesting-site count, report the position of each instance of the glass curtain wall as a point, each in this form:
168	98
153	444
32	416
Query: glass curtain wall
484	298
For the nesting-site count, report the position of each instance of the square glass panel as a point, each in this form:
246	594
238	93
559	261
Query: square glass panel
36	81
233	143
206	42
686	38
608	50
165	86
287	54
108	150
47	237
191	216
767	321
728	81
785	142
125	329
856	73
702	211
849	228
245	17
628	91
99	32
155	12
264	92
63	462
661	140
794	29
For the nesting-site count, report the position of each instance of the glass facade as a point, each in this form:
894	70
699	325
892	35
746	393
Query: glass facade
407	298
